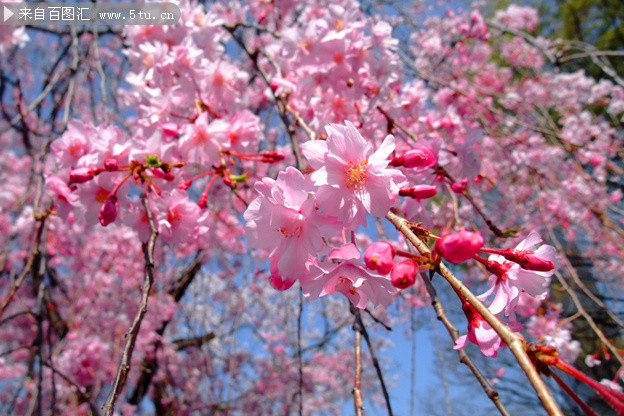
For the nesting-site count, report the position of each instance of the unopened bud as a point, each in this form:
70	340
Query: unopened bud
459	246
404	274
108	212
81	175
110	164
419	158
170	129
419	191
459	187
528	260
272	157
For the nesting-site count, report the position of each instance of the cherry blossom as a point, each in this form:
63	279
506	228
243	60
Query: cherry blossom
351	178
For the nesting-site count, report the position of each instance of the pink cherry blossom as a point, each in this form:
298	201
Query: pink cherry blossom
510	279
285	220
355	282
177	217
352	179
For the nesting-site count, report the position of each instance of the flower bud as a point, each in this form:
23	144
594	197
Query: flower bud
419	158
460	187
110	164
272	157
404	274
459	246
81	175
108	212
419	191
537	263
170	129
528	260
379	256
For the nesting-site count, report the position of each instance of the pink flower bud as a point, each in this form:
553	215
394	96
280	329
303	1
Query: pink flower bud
536	263
419	191
419	158
110	164
460	188
81	175
459	246
379	256
404	274
281	284
170	129
108	213
185	185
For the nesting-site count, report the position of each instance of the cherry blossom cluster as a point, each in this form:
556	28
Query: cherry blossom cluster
451	123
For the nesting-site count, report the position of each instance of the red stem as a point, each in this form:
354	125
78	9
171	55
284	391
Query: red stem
588	410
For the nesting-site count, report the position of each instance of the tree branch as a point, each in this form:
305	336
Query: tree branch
516	343
124	367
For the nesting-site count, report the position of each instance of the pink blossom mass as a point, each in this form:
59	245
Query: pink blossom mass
312	207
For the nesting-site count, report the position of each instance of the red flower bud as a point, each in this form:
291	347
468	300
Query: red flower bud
419	191
537	263
404	274
460	188
110	164
108	212
379	256
81	175
419	158
272	157
170	129
528	260
459	246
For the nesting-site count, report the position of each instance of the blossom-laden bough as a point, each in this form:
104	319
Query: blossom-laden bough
255	146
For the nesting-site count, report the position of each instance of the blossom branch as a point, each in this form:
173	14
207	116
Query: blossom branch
515	342
124	367
437	305
253	56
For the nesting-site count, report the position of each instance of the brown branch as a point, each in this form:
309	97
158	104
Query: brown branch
149	364
131	336
280	104
515	342
184	343
358	403
34	254
463	356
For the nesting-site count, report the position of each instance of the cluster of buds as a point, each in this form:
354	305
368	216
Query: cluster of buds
379	256
136	170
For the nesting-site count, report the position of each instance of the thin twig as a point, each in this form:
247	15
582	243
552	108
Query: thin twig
516	343
579	282
447	396
124	366
358	326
